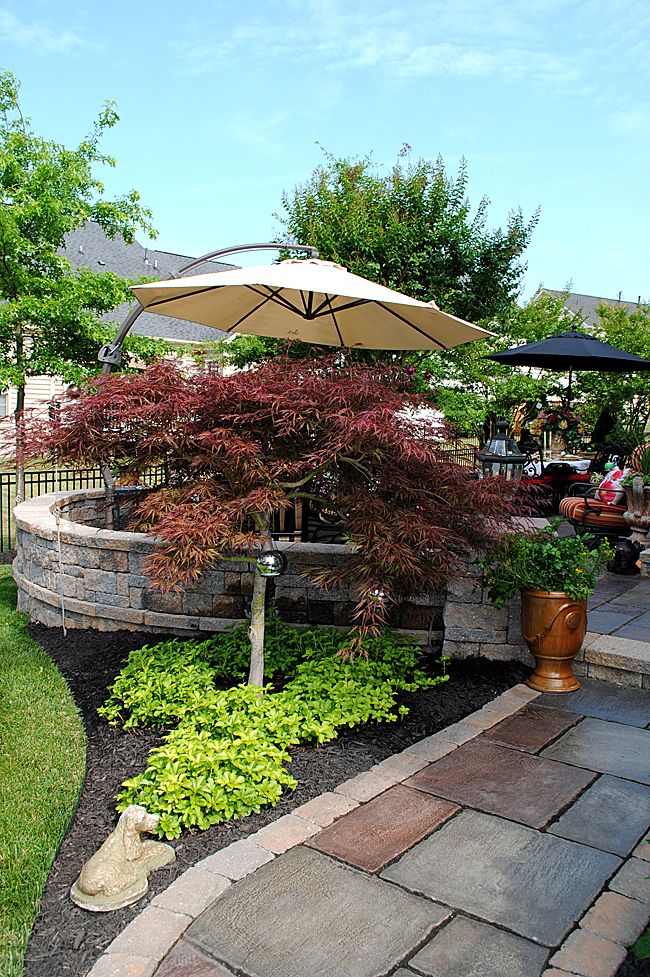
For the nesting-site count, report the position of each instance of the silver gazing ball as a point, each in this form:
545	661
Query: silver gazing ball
271	564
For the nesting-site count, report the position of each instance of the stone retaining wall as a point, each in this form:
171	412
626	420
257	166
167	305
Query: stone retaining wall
68	556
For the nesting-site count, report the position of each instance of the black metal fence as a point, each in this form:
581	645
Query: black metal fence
40	482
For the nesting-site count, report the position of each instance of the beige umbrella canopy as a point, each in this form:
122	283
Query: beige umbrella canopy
314	301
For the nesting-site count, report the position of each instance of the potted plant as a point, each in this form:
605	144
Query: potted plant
554	575
637	490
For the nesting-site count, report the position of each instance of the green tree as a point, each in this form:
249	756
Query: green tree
411	229
49	315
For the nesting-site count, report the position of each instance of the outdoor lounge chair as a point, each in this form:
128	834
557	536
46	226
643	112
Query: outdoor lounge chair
587	514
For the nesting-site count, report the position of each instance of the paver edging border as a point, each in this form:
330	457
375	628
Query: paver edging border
214	875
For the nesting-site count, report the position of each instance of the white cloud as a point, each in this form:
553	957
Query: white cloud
512	40
37	36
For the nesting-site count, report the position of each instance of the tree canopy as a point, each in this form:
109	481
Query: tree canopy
238	448
411	229
49	314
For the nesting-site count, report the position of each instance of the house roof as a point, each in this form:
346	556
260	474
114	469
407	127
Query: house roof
587	305
90	247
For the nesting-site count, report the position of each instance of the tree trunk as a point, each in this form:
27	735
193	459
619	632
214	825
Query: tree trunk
256	630
258	608
20	461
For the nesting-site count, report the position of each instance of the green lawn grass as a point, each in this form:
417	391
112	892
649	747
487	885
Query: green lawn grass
42	764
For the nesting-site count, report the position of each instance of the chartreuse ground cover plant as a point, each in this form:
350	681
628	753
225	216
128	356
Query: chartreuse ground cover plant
227	752
42	764
543	560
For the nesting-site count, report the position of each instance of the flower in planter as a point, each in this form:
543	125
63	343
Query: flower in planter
542	560
562	421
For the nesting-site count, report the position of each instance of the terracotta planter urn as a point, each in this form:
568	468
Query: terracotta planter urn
638	510
553	626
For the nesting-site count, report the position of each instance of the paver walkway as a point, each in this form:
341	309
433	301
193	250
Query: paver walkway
512	844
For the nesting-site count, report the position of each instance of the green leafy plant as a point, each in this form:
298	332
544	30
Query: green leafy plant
227	756
543	560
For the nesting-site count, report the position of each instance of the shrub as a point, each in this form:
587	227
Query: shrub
226	758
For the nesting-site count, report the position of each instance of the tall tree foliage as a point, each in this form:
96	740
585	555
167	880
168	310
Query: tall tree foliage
49	321
240	447
413	230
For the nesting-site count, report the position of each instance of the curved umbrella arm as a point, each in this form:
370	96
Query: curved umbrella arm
110	354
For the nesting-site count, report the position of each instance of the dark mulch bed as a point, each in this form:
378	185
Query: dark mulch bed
66	940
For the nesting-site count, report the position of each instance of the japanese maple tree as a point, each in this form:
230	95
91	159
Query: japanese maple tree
238	448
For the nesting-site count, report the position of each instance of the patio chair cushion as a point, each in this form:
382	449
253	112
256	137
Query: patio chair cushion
594	514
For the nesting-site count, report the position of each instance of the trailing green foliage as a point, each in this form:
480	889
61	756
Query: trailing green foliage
226	757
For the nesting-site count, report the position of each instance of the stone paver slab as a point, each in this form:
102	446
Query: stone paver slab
431	748
285	833
534	884
186	961
192	892
633	881
326	808
611	815
589	955
623	751
383	828
364	786
307	914
237	860
532	728
399	766
123	965
638	596
467	948
605	620
642	850
602	700
505	782
151	933
616	918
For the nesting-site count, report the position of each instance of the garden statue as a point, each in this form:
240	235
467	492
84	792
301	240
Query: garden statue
117	874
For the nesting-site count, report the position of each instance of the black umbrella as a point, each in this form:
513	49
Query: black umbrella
571	351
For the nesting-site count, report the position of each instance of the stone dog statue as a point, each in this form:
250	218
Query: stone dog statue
117	874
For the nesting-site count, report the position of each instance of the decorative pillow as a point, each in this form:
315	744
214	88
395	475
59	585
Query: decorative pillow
610	490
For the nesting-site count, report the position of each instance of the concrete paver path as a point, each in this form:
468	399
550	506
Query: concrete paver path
512	845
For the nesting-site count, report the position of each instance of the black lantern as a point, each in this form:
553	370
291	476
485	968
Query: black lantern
502	456
271	563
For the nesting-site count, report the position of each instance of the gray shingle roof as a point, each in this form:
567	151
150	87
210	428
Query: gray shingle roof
90	247
586	305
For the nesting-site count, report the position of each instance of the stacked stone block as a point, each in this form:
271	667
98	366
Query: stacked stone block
70	557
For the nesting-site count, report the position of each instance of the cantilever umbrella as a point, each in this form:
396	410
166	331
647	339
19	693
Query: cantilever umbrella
314	301
572	351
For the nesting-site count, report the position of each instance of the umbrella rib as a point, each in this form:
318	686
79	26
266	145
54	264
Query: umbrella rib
250	312
338	331
412	326
326	306
275	296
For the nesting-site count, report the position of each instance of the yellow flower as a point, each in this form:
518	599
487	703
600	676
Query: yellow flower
578	570
563	425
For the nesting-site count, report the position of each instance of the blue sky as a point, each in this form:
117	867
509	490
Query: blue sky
223	105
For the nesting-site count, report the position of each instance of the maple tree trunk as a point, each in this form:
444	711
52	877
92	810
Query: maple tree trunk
256	630
258	607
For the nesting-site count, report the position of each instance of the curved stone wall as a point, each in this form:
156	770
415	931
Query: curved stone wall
71	562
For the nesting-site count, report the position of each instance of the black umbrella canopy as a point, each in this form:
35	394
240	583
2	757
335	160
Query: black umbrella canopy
572	350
